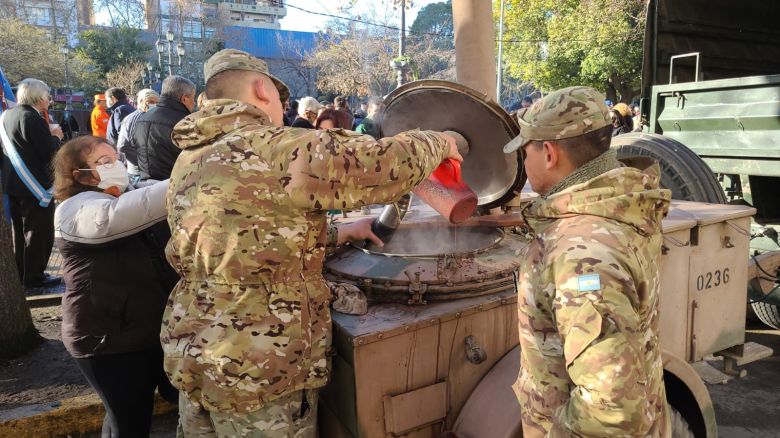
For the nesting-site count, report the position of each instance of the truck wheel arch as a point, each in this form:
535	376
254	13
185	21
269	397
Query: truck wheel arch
687	393
494	399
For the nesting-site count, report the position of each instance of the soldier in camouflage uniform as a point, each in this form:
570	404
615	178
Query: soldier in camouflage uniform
247	327
588	284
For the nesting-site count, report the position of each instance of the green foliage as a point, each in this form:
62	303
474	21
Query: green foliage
27	51
435	18
113	47
559	43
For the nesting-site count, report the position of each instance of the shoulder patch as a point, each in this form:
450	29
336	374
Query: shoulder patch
590	282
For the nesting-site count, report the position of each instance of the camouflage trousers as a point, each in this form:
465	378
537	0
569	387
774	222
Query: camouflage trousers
279	419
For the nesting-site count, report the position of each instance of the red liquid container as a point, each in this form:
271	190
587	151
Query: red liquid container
446	192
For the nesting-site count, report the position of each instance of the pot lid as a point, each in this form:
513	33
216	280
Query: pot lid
436	105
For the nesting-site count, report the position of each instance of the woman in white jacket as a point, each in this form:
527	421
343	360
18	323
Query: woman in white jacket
112	239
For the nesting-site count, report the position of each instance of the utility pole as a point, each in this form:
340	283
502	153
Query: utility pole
402	31
400	66
65	51
500	66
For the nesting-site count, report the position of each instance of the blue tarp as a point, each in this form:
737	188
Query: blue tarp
9	93
270	43
9	96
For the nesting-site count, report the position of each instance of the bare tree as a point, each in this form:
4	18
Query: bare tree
298	75
128	13
59	16
127	77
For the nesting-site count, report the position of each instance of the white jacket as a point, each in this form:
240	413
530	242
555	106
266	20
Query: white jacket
96	217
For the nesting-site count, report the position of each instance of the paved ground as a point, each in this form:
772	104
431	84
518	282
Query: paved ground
748	407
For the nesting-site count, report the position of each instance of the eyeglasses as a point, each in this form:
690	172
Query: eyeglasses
107	161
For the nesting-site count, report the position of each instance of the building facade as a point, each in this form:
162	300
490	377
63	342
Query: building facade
202	27
63	19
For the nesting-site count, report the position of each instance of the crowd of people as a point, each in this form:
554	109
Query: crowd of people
309	113
111	226
193	232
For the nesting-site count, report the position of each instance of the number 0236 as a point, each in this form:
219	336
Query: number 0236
712	279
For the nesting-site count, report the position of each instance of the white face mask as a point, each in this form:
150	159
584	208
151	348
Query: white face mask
115	176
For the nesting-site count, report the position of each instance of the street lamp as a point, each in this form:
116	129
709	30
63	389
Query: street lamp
169	39
65	51
167	44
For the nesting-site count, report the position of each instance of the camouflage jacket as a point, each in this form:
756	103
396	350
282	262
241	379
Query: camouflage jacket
249	322
588	309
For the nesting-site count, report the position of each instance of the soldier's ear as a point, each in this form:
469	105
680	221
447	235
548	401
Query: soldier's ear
258	89
552	154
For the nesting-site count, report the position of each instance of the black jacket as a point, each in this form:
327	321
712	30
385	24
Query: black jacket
118	112
302	122
116	293
36	146
152	138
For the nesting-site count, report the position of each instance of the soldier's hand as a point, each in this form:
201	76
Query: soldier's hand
453	153
357	231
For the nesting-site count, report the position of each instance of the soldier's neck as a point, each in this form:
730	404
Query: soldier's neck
593	168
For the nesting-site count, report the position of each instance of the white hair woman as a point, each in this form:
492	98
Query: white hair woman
26	180
145	99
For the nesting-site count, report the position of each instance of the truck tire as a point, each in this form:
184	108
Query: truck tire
769	314
763	273
682	171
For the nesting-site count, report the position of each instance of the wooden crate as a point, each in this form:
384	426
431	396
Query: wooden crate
402	370
717	279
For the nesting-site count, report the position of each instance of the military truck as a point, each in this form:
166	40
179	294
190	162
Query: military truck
711	97
437	352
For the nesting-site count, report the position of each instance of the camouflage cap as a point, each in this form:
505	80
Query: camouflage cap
564	113
232	59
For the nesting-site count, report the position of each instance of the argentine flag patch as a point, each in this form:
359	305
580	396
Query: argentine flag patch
588	282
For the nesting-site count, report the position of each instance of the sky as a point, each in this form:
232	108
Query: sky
299	20
307	22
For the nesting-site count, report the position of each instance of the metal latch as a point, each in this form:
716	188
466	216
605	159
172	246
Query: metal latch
417	289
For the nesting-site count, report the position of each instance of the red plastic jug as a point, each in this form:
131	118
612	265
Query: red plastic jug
446	192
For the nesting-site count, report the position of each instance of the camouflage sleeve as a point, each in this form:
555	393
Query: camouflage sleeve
338	169
600	331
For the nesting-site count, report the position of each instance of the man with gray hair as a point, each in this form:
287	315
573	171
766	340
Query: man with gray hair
151	134
29	144
145	99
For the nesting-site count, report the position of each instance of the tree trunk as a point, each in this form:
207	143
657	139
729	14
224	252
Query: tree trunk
611	92
17	332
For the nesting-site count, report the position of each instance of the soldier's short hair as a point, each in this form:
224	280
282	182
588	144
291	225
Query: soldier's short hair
585	147
229	84
175	87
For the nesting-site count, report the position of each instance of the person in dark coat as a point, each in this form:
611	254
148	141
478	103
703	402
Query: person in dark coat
145	99
151	135
112	238
36	142
308	107
291	112
69	125
119	109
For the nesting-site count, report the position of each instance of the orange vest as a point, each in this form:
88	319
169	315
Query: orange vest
99	121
